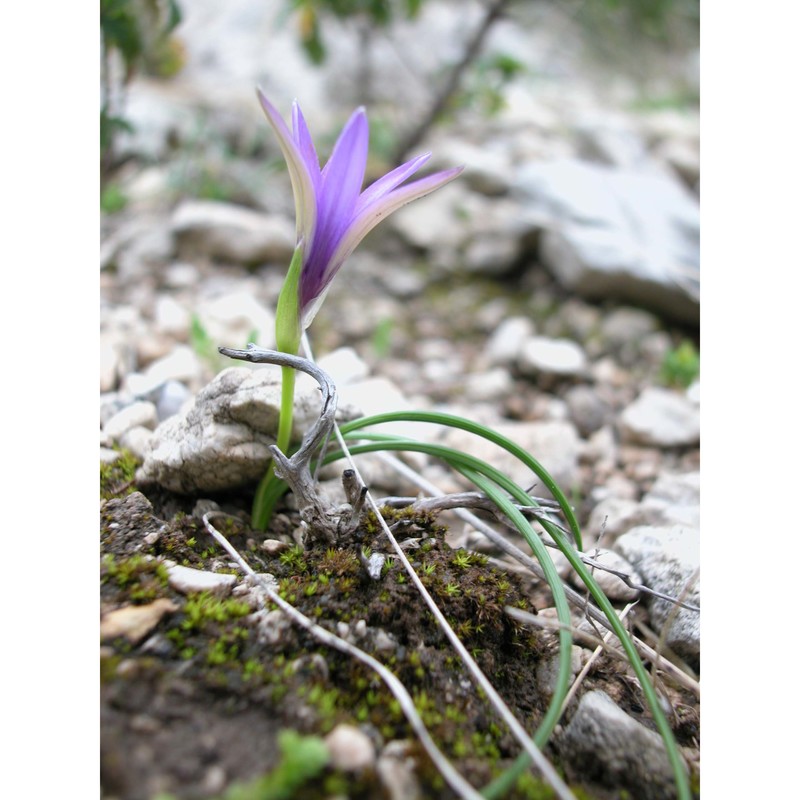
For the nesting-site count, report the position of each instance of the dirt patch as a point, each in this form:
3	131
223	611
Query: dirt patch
197	702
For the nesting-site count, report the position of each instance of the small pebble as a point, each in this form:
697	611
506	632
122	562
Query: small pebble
135	622
187	580
350	749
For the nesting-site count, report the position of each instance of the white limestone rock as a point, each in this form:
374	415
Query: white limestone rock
221	442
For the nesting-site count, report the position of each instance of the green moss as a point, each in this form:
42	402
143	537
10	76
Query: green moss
140	578
463	559
204	608
117	478
293	559
530	787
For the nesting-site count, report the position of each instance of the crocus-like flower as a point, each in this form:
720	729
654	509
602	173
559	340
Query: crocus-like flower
333	214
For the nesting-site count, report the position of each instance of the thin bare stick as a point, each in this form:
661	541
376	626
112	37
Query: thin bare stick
517	730
590	663
448	772
493	13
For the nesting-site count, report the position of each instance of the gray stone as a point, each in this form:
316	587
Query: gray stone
171	317
626	326
171	398
108	456
587	409
111	363
610	141
668	559
492	385
674	499
181	275
487	167
140	413
613	586
232	233
397	771
661	418
614	516
272	627
138	440
547	670
465	230
344	366
137	248
187	580
274	547
616	233
603	744
181	364
505	343
221	441
350	749
553	357
235	318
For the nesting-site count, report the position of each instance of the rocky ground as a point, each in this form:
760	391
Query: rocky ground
551	292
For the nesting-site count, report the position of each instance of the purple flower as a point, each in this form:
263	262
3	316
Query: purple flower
333	214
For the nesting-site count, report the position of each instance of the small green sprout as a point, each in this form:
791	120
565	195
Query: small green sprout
681	365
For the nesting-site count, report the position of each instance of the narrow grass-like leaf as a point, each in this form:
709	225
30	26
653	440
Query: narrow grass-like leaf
460	461
485	476
454	421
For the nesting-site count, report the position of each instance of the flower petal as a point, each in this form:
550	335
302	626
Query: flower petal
377	211
343	175
390	181
337	194
303	185
305	143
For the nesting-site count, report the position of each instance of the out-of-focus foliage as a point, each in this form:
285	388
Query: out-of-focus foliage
140	31
651	18
137	33
378	13
681	365
112	199
635	36
484	87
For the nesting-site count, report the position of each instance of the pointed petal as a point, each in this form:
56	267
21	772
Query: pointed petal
337	195
378	211
305	143
303	185
343	175
390	181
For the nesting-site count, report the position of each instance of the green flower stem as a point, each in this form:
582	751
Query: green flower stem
288	376
287	340
266	494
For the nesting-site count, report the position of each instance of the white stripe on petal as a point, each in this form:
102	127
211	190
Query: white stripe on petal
305	201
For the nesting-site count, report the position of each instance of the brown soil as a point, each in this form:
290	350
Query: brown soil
197	703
